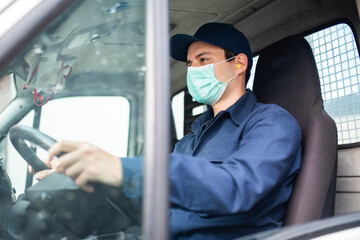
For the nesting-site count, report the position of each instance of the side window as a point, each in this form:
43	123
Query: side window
72	73
177	105
252	75
185	111
338	63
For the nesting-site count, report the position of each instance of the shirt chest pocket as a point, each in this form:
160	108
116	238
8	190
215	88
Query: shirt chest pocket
217	151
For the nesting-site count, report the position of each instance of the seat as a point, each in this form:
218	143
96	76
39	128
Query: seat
286	74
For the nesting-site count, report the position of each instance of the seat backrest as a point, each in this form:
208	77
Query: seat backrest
286	74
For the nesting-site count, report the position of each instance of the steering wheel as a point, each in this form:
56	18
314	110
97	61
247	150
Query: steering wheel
18	135
50	197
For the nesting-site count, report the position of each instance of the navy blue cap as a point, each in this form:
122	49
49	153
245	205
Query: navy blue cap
219	34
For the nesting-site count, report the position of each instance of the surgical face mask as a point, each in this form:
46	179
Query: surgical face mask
202	84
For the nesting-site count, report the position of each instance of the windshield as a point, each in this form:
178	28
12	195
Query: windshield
82	79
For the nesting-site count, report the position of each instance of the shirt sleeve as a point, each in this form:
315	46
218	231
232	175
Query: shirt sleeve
268	151
133	178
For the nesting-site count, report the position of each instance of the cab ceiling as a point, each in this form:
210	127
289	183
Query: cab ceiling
188	15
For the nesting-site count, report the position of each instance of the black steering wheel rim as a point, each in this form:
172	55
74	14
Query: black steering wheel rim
18	134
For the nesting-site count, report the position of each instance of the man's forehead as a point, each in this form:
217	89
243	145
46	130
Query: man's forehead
198	47
201	44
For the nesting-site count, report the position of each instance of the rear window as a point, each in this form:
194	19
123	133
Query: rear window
338	63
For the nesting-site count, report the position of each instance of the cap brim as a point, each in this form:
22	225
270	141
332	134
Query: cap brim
179	45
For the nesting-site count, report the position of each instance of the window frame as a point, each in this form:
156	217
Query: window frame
157	121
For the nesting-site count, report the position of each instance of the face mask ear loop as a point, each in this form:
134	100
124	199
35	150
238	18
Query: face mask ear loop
225	60
232	78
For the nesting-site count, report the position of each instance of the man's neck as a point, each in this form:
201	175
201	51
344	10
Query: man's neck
228	99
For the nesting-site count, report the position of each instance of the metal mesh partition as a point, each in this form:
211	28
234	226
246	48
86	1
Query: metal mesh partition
338	63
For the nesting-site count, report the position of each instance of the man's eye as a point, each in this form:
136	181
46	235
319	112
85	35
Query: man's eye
203	59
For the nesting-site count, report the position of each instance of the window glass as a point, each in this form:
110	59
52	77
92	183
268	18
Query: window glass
4	4
177	106
338	63
252	75
7	90
199	110
84	71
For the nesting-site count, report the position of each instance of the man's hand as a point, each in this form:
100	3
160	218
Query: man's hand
52	165
85	163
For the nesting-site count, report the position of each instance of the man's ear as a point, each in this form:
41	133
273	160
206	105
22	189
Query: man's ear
241	63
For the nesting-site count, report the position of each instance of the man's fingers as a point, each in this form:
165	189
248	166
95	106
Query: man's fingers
50	165
68	160
62	146
83	181
74	170
83	152
31	170
88	188
54	163
42	174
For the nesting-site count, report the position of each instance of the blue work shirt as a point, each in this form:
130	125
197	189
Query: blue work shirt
233	174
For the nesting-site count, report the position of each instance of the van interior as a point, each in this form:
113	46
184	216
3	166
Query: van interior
96	44
267	22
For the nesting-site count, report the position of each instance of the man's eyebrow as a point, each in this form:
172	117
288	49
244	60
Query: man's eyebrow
197	56
201	54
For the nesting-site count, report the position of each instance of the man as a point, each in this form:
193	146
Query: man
233	174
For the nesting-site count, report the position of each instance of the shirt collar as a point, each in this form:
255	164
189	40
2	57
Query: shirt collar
200	121
238	111
242	107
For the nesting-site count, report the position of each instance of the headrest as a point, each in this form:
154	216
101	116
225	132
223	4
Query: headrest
286	74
